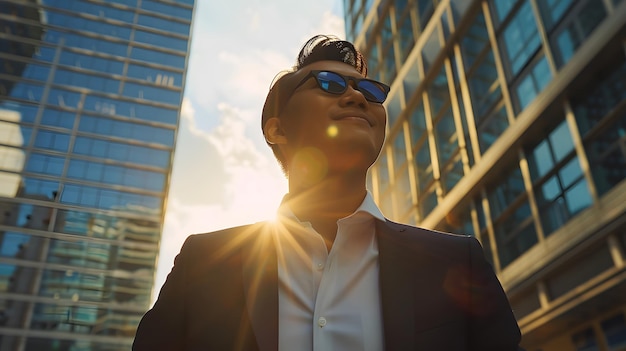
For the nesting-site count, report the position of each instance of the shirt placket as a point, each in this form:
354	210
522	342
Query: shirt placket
321	267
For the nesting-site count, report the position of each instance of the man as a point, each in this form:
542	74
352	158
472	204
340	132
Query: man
331	273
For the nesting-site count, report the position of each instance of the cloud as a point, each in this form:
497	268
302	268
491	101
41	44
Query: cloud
198	169
220	179
224	175
235	60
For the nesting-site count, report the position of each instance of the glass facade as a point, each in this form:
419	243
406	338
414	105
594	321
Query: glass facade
507	121
90	93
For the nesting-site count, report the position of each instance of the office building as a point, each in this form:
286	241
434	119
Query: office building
507	121
90	93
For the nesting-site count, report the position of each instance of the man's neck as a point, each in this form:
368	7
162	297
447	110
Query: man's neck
324	203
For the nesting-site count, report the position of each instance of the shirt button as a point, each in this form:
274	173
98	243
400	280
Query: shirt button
320	266
321	322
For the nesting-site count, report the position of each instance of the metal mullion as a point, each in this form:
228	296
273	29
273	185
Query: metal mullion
532	201
375	182
456	115
467	103
490	231
580	151
498	61
392	178
544	37
410	162
434	157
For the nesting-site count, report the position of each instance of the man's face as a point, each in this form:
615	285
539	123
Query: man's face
347	130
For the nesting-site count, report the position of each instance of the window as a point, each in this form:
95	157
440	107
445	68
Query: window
389	66
532	82
158	57
614	329
126	130
144	111
156	94
430	49
427	201
160	40
383	173
503	8
490	115
402	189
484	86
50	140
24	91
552	11
561	190
122	152
575	28
31	71
601	117
108	199
88	25
13	244
103	11
83	42
421	148
116	175
164	24
520	39
373	62
394	108
446	136
168	9
64	98
490	129
40	189
444	129
585	340
93	82
45	164
512	220
425	10
412	79
91	62
399	149
405	27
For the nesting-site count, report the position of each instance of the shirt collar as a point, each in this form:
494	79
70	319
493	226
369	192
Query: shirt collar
367	206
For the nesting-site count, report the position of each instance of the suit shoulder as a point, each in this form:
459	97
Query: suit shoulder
234	236
228	233
426	233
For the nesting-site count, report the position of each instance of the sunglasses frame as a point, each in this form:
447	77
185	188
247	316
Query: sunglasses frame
347	79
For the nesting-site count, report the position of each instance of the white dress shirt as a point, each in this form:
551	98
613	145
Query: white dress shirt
329	300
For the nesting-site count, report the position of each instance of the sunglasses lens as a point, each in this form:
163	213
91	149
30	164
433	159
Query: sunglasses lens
372	91
331	82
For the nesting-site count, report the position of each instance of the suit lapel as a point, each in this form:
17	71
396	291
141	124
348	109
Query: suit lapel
260	282
396	289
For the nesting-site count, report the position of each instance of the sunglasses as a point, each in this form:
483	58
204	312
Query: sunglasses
336	83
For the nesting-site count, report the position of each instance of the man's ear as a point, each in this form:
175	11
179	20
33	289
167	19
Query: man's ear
273	132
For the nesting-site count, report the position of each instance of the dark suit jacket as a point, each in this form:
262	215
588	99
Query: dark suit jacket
437	294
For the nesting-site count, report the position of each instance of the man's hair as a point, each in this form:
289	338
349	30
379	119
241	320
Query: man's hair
318	48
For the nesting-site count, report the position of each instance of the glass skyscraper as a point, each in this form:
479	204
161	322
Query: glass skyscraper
507	121
90	93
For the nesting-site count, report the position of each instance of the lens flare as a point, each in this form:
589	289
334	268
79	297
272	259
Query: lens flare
332	131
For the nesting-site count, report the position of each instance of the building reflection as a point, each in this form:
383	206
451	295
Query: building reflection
90	96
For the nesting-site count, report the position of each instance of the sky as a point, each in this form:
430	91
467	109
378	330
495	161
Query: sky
224	174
